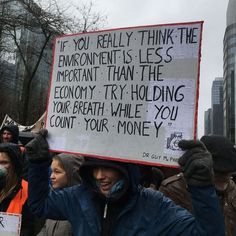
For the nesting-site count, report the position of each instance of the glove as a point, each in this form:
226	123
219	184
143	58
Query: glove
37	150
196	163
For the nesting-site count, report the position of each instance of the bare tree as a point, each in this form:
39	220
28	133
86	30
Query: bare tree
27	29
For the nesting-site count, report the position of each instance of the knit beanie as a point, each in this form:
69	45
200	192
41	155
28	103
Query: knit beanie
223	152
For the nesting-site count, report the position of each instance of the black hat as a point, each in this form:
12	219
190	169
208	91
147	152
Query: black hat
223	152
15	155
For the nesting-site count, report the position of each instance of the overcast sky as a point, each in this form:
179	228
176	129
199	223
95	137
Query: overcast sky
123	13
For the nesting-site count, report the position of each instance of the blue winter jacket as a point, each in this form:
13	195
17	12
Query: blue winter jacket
148	212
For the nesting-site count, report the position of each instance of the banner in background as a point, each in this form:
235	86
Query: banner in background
32	128
9	121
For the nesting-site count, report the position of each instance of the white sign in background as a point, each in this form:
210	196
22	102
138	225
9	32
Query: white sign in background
129	94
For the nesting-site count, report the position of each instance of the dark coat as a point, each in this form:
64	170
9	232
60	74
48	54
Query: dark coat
175	188
147	213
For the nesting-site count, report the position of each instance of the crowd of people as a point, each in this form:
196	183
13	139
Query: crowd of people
70	195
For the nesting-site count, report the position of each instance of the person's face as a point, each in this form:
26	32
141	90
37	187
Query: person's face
5	161
58	176
6	136
106	178
221	180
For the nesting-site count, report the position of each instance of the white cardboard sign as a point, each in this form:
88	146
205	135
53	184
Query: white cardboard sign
10	224
129	94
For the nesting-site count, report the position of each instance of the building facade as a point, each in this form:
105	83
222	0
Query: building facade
229	72
19	65
217	106
208	122
213	117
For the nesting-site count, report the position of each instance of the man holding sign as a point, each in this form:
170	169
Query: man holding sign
110	200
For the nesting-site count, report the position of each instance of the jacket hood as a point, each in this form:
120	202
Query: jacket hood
14	153
71	164
129	172
14	131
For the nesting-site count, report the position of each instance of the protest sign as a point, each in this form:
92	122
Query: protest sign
10	224
129	94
